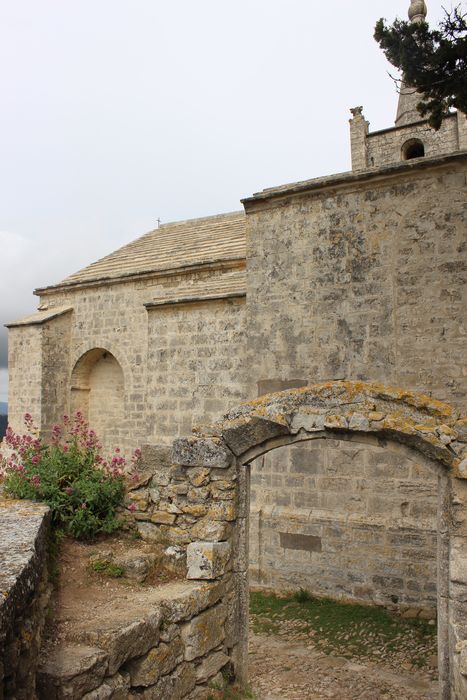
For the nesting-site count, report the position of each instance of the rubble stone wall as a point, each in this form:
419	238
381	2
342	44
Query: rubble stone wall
24	594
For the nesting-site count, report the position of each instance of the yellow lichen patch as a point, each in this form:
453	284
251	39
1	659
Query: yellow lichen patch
398	424
425	428
375	416
335	421
348	391
447	430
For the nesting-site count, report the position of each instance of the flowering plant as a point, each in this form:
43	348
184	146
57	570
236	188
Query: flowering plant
69	473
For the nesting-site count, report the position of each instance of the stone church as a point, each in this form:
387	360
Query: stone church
355	276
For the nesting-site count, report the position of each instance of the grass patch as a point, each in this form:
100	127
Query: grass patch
231	692
348	630
106	568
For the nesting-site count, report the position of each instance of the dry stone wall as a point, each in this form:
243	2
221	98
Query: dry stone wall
172	642
24	594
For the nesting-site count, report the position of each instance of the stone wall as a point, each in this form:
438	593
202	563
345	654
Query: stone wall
25	375
345	521
378	149
196	365
181	362
368	414
24	594
360	277
172	642
385	147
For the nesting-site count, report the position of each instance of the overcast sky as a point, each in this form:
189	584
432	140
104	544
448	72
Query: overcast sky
117	112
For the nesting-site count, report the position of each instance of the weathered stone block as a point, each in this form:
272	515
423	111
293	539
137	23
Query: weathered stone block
211	530
184	680
201	452
223	510
115	688
71	671
157	662
126	638
310	422
162	517
207	560
240	435
204	632
211	665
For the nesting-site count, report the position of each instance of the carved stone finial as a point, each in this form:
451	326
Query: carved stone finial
417	11
357	111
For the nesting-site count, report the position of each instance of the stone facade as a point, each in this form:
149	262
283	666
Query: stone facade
356	276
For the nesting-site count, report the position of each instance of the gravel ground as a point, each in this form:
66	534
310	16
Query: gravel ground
288	666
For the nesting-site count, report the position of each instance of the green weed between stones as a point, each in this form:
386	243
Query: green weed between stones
106	568
348	630
231	692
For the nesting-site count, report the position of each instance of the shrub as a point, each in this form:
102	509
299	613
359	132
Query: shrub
69	473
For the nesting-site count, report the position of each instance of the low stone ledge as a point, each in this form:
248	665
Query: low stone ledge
169	643
24	593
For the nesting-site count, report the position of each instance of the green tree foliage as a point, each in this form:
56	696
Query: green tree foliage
434	61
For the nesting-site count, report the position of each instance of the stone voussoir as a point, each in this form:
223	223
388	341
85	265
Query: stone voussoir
201	452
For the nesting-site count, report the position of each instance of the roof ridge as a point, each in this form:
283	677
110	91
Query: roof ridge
212	217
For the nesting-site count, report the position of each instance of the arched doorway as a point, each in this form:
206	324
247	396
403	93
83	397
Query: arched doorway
97	390
358	412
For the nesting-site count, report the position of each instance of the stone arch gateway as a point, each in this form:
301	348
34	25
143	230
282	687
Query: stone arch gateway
357	411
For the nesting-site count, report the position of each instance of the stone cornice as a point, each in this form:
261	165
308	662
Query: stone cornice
221	264
351	179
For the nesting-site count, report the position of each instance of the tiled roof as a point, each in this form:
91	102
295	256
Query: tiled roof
171	246
228	284
39	317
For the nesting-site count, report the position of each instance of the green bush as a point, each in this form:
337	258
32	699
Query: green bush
82	489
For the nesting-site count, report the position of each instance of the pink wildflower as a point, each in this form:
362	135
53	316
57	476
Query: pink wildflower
132	507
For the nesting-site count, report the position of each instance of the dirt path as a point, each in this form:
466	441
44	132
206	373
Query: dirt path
281	669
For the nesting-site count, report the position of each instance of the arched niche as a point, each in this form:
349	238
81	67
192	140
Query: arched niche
98	391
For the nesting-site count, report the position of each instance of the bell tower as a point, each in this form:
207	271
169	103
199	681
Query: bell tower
409	97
